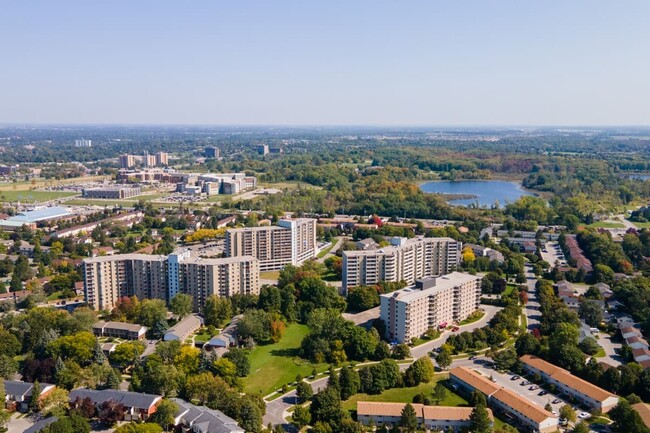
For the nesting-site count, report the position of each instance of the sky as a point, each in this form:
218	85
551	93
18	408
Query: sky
378	63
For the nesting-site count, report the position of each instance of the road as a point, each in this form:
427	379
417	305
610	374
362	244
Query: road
551	256
276	410
533	315
423	349
333	250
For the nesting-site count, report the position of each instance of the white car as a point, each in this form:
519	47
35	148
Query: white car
584	415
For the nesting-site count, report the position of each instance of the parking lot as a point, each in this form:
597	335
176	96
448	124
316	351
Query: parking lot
552	253
530	390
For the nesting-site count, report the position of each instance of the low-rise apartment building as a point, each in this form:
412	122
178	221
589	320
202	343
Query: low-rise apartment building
292	241
115	192
183	329
139	406
432	418
523	413
404	260
582	391
434	302
127	331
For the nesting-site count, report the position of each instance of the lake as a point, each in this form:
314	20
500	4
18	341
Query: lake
485	192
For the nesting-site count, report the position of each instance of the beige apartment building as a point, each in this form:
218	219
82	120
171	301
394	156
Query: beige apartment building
108	278
433	302
292	241
404	260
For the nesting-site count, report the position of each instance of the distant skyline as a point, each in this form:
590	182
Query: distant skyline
375	63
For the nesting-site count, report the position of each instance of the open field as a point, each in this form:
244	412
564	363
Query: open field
26	196
270	275
607	225
273	365
405	395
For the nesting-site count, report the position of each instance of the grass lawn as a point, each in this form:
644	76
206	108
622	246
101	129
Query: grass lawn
324	252
54	296
202	336
270	275
641	225
473	318
273	365
405	395
607	225
601	353
509	288
32	196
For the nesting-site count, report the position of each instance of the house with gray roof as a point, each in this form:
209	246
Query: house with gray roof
201	419
139	406
183	329
18	393
128	331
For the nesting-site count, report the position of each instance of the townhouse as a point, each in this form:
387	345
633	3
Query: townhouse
524	414
432	418
127	331
585	393
138	406
200	419
18	393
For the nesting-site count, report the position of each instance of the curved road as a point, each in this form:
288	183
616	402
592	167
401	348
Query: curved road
276	410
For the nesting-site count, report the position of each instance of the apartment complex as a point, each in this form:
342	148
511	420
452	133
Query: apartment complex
292	241
127	331
108	278
433	302
127	161
83	143
404	260
432	418
528	416
582	391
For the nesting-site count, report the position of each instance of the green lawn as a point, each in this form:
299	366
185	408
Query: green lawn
509	288
607	225
273	365
641	225
405	395
33	196
324	252
270	275
473	318
54	296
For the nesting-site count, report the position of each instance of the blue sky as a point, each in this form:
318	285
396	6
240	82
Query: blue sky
432	62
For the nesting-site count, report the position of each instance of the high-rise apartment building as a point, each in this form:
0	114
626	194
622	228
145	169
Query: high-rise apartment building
162	159
148	160
108	278
212	152
83	143
292	241
433	302
127	161
404	260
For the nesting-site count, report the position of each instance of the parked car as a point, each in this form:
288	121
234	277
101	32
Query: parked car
584	415
533	388
543	392
556	401
515	377
524	383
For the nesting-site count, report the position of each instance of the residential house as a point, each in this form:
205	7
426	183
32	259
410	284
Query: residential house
18	393
584	392
139	406
520	412
184	329
128	331
643	409
200	419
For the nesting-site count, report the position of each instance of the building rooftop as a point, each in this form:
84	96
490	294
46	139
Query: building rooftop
133	327
392	249
130	256
127	398
644	412
522	405
41	214
185	326
428	412
563	376
205	419
443	282
475	380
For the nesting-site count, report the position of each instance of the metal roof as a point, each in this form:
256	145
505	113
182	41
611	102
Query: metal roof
40	214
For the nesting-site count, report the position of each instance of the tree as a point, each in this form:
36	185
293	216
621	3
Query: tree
300	417
421	371
304	391
350	382
34	404
181	305
401	351
55	403
408	419
505	359
480	420
326	407
626	419
165	414
152	311
589	346
439	393
110	412
443	358
112	380
217	311
591	312
126	353
581	427
239	357
568	413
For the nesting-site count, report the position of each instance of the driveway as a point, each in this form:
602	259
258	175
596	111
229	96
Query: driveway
551	255
532	312
18	423
334	249
610	347
364	318
424	349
